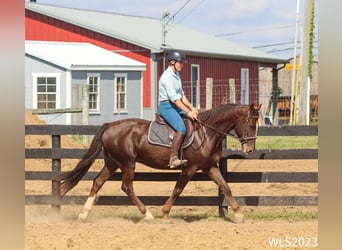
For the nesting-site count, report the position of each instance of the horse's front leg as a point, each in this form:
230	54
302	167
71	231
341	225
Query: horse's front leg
215	174
183	179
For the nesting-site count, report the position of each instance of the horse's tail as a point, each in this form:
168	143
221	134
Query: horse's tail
69	179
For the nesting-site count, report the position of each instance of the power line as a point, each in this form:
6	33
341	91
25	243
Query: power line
285	49
271	45
180	9
166	19
191	11
277	44
256	30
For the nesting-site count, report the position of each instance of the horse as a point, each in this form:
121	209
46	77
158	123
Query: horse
124	142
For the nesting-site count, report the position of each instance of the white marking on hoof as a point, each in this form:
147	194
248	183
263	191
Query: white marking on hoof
148	216
87	207
83	216
238	218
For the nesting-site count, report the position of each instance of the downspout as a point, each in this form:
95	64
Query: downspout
275	93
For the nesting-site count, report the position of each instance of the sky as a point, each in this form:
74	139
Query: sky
266	25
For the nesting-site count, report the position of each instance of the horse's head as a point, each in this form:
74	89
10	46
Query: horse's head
246	128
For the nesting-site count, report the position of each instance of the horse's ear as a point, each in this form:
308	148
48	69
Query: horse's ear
252	107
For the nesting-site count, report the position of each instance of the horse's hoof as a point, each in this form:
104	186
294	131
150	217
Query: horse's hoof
148	216
238	219
83	216
166	221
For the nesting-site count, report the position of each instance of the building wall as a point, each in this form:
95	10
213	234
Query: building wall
221	70
40	27
108	98
79	78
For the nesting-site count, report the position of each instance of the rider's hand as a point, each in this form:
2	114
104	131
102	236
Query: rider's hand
194	110
192	114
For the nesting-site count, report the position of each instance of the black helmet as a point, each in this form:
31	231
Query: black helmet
176	55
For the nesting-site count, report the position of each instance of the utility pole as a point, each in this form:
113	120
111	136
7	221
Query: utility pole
165	21
294	65
304	88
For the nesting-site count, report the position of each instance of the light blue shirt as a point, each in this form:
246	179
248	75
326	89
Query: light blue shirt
170	86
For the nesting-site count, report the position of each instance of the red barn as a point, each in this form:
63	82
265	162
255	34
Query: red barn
217	71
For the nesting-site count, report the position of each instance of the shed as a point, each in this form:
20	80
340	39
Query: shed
55	73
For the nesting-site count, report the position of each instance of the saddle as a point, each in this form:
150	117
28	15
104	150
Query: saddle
161	133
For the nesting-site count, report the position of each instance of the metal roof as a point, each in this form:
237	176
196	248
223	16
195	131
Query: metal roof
81	56
147	33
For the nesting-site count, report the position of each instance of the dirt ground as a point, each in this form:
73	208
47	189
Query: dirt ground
123	227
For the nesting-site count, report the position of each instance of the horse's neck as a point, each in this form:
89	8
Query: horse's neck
226	122
217	128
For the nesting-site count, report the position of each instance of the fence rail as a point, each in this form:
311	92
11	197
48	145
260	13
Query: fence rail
56	153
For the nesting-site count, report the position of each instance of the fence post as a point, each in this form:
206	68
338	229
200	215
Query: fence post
232	94
224	171
56	169
208	93
85	110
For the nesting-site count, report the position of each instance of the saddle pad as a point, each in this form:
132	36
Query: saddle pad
158	134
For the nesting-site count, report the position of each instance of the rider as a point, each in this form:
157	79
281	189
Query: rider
173	103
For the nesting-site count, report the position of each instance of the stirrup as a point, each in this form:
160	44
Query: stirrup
175	162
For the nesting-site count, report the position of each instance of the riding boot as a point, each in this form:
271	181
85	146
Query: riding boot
177	141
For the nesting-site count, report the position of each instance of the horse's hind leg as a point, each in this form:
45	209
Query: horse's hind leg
98	182
127	187
215	174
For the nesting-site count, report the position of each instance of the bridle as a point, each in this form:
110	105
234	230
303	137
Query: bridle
244	139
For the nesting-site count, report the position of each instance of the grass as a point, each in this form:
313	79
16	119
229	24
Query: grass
289	216
77	138
279	142
253	215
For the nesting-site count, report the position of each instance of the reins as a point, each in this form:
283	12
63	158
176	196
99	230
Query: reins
212	128
243	140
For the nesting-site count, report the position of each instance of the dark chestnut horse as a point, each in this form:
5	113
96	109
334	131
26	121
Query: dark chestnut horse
125	142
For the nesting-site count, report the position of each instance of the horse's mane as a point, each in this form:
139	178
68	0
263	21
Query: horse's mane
220	110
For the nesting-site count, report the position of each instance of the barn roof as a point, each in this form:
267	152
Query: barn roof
80	56
147	33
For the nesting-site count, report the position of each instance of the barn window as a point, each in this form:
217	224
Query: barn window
195	85
93	88
46	91
244	86
120	93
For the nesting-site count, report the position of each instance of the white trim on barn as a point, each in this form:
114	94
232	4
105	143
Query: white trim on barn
81	56
68	94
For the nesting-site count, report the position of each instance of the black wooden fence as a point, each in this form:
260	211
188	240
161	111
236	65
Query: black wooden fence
56	153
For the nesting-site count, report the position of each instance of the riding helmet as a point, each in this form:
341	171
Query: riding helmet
176	55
